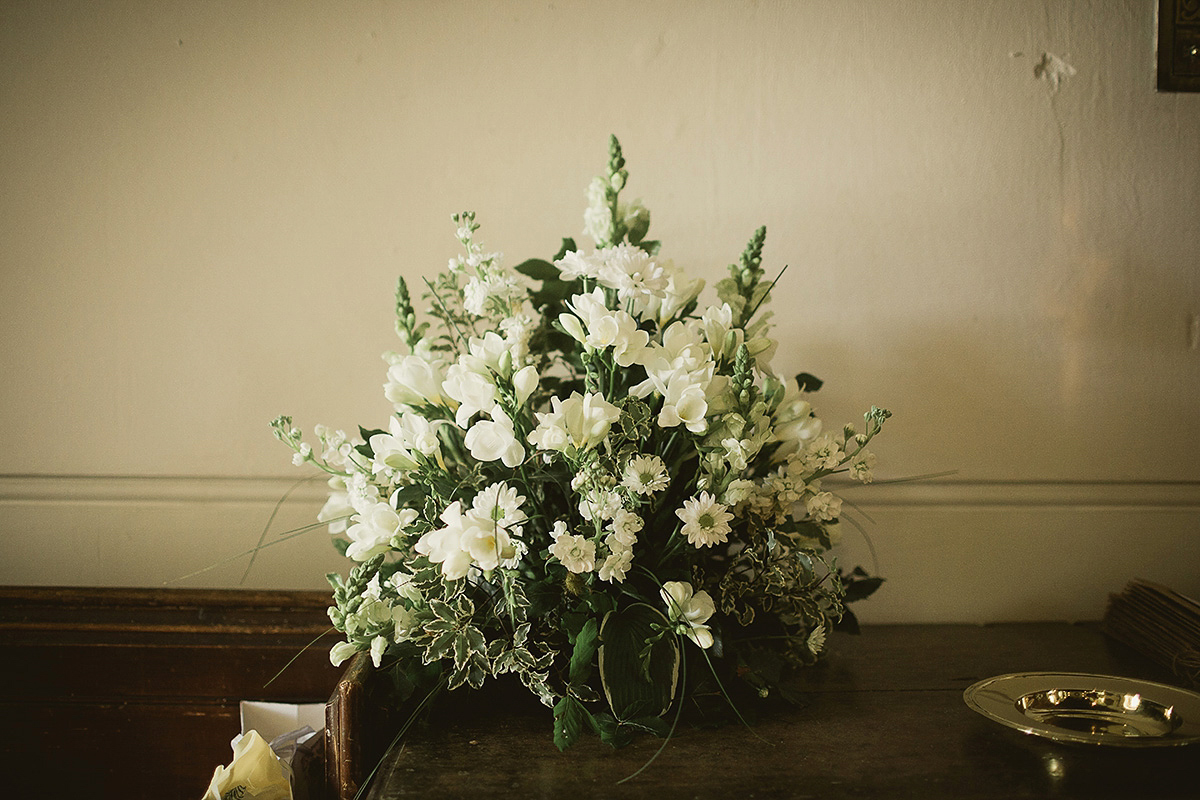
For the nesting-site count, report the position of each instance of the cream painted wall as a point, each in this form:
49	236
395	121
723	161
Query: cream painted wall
205	207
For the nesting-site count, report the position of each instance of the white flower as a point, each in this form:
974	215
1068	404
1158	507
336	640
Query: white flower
598	327
862	466
473	391
580	422
645	475
337	509
340	652
823	505
576	265
445	545
500	503
633	273
412	381
495	440
625	526
378	647
575	552
688	611
524	382
822	453
616	566
705	521
373	530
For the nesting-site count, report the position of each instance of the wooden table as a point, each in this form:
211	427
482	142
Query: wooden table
883	716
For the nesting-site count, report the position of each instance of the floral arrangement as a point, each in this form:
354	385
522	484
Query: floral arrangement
590	481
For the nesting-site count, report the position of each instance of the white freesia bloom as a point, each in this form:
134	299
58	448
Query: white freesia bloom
373	530
598	327
524	383
688	611
474	392
445	545
495	440
413	381
580	422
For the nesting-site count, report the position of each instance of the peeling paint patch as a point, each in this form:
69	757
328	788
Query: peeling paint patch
1053	70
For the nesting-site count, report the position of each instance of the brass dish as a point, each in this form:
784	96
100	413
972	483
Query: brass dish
1089	709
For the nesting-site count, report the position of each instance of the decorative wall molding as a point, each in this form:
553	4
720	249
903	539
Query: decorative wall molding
1179	495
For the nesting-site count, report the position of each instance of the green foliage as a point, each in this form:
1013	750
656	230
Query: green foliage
639	665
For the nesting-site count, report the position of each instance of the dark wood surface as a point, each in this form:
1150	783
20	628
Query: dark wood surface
882	716
134	692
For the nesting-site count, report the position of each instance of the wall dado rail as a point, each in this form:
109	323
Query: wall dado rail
952	551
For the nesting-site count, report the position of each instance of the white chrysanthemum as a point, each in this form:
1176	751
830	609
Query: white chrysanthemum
577	265
633	273
705	521
575	552
501	503
645	475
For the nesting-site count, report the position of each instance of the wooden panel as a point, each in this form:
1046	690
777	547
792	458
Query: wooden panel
135	692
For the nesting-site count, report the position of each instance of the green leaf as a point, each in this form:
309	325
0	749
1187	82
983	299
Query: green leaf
341	545
569	716
623	671
809	383
568	246
848	623
585	650
861	588
538	269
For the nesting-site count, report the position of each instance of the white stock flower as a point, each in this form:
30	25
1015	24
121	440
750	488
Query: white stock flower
625	526
705	521
575	552
823	505
688	611
616	566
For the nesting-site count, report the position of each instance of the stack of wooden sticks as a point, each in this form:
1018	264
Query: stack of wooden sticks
1160	623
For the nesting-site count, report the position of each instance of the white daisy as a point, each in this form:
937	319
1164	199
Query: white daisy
705	521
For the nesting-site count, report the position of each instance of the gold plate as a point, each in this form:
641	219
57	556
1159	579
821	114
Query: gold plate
1089	709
